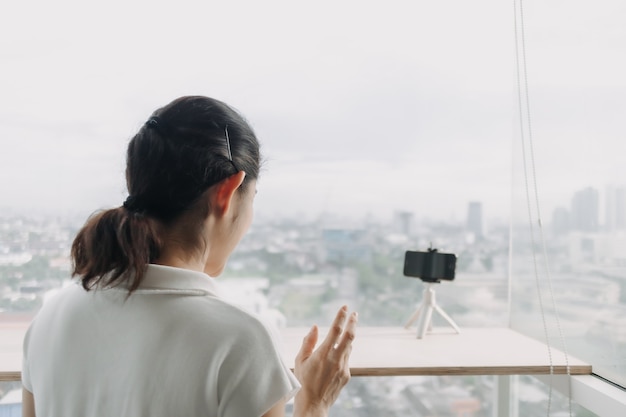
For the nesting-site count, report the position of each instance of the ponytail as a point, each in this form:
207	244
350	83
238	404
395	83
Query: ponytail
114	247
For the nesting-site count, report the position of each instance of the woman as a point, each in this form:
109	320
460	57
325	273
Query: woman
145	333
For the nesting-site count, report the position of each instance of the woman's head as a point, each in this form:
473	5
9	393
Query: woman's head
186	149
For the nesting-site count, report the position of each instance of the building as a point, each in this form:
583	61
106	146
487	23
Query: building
475	219
585	210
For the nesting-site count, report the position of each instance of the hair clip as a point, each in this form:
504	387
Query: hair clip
230	154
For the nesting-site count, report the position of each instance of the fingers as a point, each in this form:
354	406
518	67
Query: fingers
325	371
344	347
339	337
336	329
308	344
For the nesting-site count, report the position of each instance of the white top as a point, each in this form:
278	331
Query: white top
172	348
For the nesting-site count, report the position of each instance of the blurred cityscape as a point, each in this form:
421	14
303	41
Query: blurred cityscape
296	273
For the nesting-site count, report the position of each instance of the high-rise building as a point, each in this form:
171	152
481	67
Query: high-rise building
475	219
585	210
403	222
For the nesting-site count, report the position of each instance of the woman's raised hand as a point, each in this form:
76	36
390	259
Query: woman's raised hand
325	371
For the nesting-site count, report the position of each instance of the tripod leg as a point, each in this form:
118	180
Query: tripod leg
424	321
413	318
448	318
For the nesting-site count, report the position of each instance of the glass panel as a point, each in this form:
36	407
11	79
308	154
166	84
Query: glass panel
386	128
404	396
416	396
578	263
10	399
535	398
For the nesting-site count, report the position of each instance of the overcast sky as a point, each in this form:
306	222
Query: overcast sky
361	107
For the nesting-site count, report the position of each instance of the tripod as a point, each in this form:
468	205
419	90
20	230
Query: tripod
425	312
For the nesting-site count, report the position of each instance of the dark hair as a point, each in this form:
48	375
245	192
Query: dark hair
184	148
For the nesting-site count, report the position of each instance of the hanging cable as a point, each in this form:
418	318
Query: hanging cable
521	69
529	206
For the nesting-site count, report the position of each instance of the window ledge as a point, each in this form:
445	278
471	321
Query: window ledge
592	392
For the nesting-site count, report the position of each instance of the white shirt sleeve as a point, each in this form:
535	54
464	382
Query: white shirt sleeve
253	376
26	382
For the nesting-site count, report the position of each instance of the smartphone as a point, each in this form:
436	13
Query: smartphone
430	266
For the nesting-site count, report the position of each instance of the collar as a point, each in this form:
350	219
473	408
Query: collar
171	280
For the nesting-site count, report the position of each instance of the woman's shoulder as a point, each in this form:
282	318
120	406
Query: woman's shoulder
239	320
58	297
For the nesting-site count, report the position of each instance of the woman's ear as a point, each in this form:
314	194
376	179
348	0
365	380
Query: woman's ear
225	192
